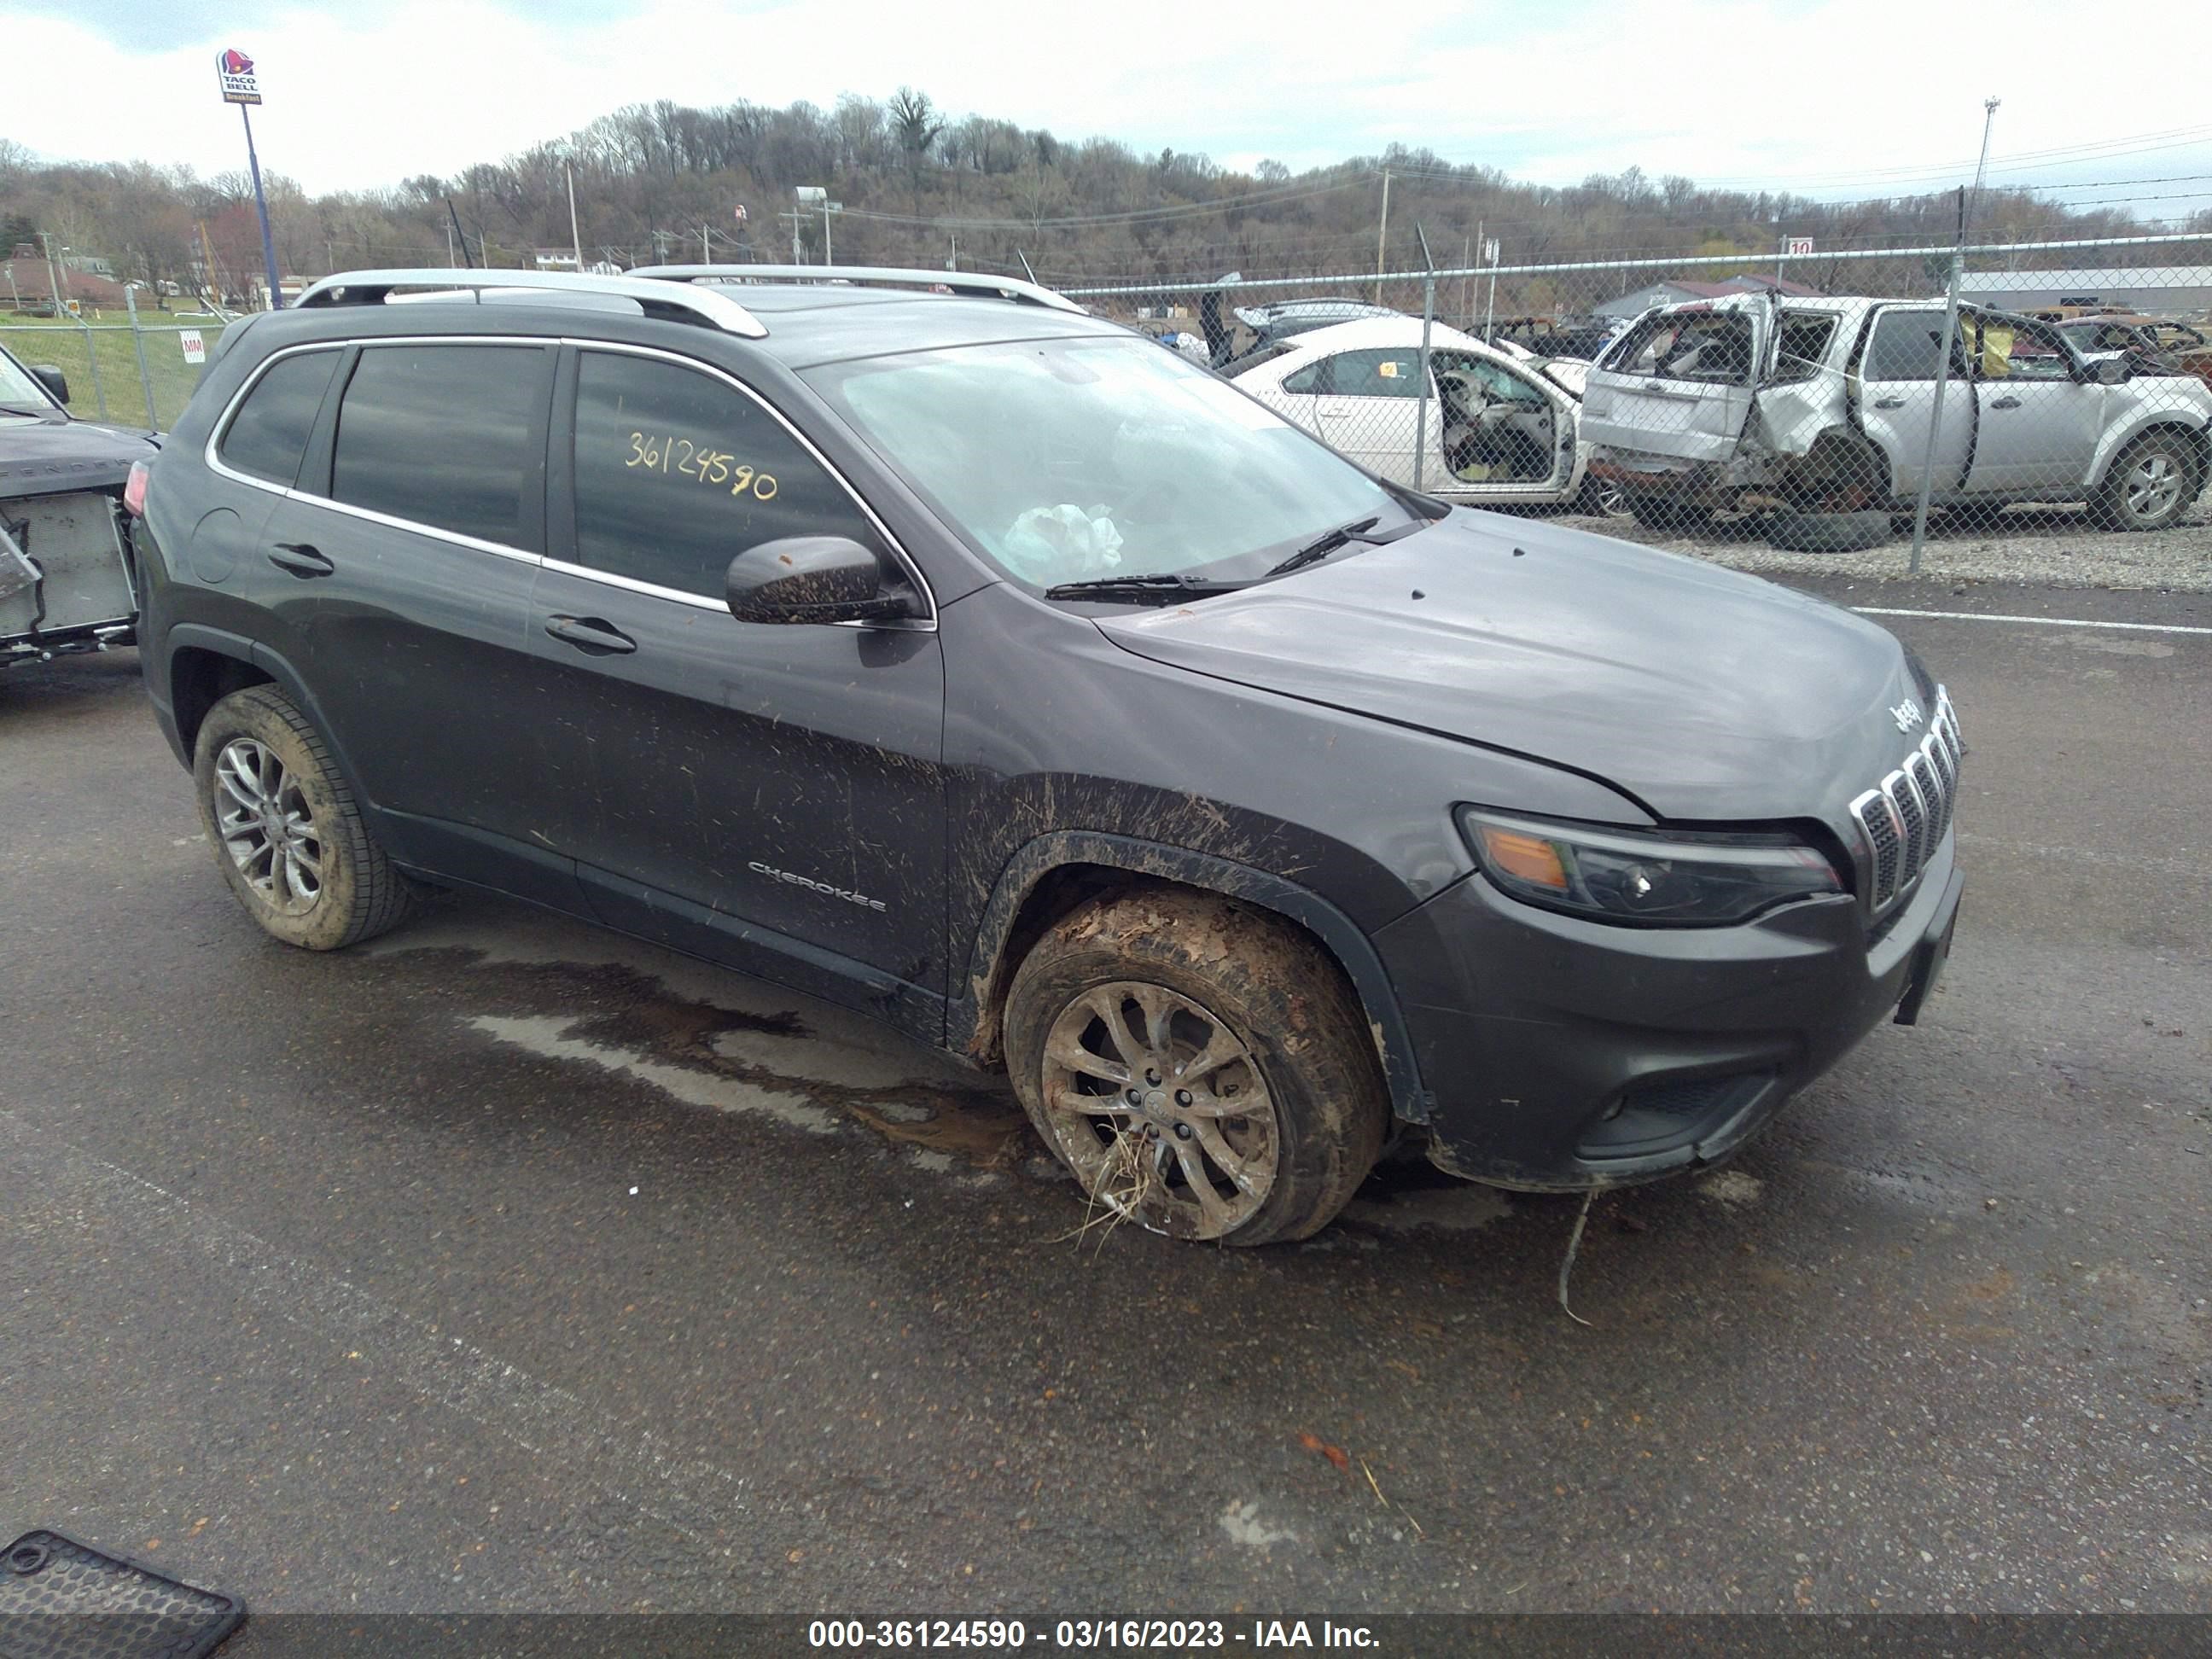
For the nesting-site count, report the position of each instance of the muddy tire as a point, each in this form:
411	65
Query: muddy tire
2151	482
1665	513
286	833
1828	532
1201	1068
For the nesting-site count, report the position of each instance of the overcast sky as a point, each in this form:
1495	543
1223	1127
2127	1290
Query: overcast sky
1854	98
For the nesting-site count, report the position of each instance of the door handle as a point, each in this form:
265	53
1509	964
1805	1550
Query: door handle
1889	403
2006	402
590	635
301	559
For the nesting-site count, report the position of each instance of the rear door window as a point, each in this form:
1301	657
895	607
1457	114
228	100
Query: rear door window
677	472
1908	345
1373	375
1708	348
452	436
268	436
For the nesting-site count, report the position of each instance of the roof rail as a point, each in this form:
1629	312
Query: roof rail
960	281
347	288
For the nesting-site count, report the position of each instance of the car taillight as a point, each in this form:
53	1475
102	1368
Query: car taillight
134	492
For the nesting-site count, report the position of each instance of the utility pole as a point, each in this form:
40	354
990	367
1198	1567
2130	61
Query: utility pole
1466	260
449	247
952	259
1989	120
1381	234
53	276
211	283
576	236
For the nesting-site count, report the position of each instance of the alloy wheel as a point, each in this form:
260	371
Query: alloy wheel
267	826
1160	1109
2153	485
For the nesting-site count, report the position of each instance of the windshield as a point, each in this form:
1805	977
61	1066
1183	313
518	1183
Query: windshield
1073	460
19	391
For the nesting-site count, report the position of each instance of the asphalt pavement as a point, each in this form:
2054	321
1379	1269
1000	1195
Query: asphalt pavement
505	1265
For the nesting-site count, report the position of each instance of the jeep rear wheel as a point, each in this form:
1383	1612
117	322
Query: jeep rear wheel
287	834
2151	484
1201	1068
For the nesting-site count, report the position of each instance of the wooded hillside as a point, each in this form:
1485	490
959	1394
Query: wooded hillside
661	180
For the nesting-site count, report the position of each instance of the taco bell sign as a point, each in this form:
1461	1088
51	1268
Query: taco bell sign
239	83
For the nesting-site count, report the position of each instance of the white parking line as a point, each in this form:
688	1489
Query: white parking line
2041	622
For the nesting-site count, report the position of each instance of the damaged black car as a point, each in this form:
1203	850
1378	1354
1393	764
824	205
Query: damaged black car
66	580
967	660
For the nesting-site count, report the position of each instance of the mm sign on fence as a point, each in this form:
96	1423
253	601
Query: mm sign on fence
194	347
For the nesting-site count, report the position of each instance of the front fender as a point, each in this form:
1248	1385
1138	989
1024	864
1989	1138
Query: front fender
971	1016
2118	436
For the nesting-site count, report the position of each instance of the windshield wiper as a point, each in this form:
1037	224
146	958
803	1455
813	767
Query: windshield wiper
23	409
1155	584
1359	530
1326	543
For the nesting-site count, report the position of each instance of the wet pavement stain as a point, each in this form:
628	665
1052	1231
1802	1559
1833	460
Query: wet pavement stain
633	1016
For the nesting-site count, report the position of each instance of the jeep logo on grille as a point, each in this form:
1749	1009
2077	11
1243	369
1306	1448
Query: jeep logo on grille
1907	714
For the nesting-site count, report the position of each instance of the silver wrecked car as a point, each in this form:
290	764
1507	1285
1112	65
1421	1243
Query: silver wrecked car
1828	410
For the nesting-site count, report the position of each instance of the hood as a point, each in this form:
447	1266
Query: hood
1704	694
38	457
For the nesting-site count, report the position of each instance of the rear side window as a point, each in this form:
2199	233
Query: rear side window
1803	346
1709	348
445	435
677	472
268	434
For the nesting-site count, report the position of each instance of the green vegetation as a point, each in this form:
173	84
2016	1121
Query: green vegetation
71	349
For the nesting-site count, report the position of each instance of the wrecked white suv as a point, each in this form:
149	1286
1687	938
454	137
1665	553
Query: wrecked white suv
1825	412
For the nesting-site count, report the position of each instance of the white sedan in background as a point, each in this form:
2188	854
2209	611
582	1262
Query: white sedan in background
1498	429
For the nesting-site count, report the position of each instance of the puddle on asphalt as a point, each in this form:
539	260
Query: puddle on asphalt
749	1049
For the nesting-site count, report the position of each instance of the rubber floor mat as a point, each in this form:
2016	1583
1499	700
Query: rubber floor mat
62	1599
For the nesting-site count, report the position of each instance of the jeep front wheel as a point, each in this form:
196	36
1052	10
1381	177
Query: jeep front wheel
1201	1068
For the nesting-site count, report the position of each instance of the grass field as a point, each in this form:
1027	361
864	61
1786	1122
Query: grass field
69	347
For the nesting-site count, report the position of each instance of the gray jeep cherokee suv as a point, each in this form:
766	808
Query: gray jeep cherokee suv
971	661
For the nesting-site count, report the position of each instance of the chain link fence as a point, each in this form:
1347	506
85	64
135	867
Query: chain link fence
135	371
2031	409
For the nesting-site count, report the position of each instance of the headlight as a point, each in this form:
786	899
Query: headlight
1620	875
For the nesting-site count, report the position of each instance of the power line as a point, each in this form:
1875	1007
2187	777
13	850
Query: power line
1223	204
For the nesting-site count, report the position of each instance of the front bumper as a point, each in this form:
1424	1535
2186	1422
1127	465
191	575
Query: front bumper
1564	1054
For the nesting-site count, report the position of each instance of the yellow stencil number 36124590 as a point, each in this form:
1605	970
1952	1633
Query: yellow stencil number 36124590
671	456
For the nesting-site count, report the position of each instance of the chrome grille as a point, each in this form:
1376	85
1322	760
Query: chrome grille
1903	818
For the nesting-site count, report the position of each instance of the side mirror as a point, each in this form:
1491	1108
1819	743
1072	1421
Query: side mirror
2110	371
53	379
815	579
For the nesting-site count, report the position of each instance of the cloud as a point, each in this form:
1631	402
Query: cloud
138	27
